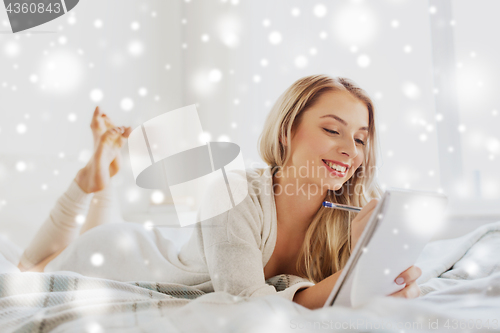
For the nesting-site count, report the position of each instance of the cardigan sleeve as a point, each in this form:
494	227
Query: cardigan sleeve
232	250
238	270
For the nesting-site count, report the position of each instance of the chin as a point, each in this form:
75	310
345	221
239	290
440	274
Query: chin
334	187
337	187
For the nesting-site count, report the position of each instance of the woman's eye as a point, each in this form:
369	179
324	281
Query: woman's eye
330	131
361	141
335	132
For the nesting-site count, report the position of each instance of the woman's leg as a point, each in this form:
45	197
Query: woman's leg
103	209
61	226
59	229
104	206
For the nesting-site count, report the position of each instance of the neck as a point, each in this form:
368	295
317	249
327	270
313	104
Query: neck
296	203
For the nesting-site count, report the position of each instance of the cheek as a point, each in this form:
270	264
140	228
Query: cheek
313	147
357	163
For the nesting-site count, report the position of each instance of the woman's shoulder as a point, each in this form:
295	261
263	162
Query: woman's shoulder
255	179
238	180
257	205
242	191
243	219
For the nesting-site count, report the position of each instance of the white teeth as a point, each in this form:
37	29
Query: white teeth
336	167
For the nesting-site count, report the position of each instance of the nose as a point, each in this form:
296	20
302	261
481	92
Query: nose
348	148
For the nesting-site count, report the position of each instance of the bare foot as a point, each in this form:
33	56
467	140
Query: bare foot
99	124
96	175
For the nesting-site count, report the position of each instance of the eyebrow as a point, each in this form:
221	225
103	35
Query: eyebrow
342	121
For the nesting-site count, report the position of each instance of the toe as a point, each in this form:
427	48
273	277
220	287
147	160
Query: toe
127	132
117	134
97	112
108	122
96	124
112	132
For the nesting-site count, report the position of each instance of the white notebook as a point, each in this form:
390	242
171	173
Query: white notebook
403	222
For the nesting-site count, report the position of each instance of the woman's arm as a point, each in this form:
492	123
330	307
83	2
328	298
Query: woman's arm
315	297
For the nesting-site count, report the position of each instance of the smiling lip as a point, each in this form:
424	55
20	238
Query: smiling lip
339	163
335	172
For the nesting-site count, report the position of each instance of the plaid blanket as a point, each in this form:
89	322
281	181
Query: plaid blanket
40	302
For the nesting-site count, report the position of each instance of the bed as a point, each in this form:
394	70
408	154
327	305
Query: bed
460	290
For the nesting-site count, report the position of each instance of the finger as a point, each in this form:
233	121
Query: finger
97	111
412	290
409	275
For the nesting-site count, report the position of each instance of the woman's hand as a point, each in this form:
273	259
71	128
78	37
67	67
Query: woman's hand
411	290
358	224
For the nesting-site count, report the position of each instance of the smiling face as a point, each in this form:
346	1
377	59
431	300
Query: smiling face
334	129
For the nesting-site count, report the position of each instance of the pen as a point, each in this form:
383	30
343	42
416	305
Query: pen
329	204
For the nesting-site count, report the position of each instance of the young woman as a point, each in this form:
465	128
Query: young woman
319	142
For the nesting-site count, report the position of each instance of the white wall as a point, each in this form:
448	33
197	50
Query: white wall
84	58
400	83
383	45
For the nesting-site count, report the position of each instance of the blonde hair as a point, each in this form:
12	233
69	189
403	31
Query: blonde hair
327	244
